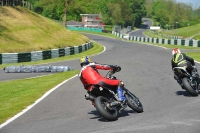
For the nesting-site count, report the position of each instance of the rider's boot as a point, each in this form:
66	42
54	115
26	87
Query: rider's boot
120	92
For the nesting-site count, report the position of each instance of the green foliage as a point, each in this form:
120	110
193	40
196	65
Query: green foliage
138	10
51	8
114	12
171	14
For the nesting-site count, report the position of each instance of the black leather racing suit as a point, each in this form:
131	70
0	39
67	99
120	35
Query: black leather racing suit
181	60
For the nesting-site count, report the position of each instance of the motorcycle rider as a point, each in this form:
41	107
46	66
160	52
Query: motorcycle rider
89	76
182	60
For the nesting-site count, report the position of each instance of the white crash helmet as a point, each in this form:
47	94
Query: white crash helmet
175	51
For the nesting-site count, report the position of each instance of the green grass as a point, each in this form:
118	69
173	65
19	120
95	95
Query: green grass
197	37
22	30
184	32
150	34
16	95
194	55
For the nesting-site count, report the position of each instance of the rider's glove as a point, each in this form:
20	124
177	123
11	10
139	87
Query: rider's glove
117	68
193	66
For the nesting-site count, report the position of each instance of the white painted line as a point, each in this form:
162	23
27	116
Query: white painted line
38	76
197	62
27	78
181	123
148	44
104	49
154	45
36	102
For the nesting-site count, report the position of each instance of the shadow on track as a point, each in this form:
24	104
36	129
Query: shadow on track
124	113
183	93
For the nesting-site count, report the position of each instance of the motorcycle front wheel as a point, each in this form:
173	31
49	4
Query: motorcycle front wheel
134	103
101	106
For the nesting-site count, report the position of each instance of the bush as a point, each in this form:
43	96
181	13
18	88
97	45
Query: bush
107	31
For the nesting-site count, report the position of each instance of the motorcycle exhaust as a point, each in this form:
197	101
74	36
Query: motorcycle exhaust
89	97
116	103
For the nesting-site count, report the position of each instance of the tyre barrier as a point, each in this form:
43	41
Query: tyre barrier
180	42
36	69
43	55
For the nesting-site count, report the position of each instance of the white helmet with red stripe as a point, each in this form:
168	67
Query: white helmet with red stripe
175	51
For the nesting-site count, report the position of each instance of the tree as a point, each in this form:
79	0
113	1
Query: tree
114	10
121	12
139	11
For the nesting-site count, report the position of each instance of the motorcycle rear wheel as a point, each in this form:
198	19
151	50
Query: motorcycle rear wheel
103	110
134	103
188	87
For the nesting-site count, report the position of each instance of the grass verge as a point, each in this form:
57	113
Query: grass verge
197	37
26	31
194	55
16	95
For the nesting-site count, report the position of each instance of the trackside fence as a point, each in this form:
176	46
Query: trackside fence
182	42
43	55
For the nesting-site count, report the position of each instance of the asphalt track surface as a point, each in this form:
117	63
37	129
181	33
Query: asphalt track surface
146	71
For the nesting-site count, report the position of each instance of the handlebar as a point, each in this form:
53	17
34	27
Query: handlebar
109	74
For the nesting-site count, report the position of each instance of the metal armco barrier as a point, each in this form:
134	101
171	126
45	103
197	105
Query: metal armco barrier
42	55
181	42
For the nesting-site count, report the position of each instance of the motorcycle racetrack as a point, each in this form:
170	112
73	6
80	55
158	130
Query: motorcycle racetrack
146	72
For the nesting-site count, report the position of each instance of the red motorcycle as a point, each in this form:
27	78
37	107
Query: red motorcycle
107	102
